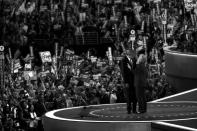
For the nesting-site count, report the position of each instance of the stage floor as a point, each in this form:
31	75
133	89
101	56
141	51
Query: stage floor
179	109
165	111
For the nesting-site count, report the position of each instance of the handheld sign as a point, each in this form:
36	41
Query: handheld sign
164	17
142	26
189	4
10	53
157	1
45	56
30	75
31	51
31	55
64	4
153	14
93	59
88	54
61	51
125	20
2	66
158	8
17	64
1	48
117	1
132	38
110	55
170	28
113	10
26	76
69	52
192	18
27	66
164	22
132	35
56	50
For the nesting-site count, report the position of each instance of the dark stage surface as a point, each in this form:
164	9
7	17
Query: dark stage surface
178	111
188	124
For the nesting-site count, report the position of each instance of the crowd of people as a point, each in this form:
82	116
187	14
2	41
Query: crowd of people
91	82
70	79
28	21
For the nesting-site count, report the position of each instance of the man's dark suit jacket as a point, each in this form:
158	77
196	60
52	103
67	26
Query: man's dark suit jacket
127	70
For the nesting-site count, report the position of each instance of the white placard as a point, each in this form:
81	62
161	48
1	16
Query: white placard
117	1
132	35
189	4
93	59
27	66
99	64
45	56
17	64
164	17
69	52
110	53
97	76
156	1
82	16
170	28
30	75
43	8
1	48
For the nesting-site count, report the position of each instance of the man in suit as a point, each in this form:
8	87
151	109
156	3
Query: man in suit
127	66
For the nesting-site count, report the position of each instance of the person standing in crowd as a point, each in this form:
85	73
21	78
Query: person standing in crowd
33	118
24	115
140	81
40	109
127	66
113	97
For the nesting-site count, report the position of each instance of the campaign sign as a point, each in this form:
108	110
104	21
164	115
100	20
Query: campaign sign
69	52
117	1
164	17
45	56
189	4
93	59
17	65
99	64
118	58
1	48
110	55
1	52
156	1
30	75
2	80
27	66
170	28
43	8
132	35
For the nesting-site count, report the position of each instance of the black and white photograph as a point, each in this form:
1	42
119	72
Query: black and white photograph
98	65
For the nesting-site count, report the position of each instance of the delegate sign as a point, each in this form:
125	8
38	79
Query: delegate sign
45	56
